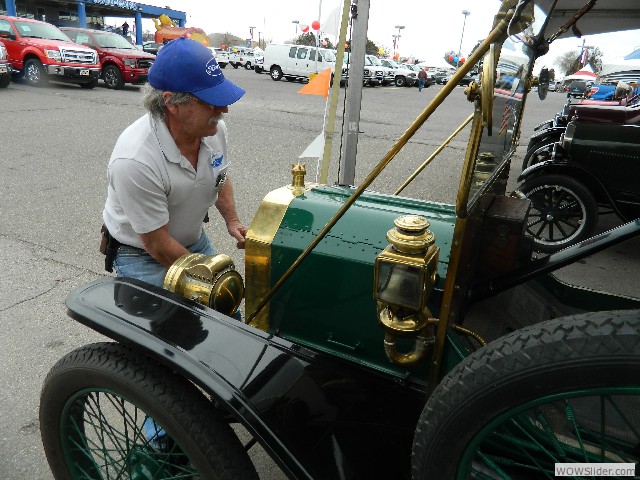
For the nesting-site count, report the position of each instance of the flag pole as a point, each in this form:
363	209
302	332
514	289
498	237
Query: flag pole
335	93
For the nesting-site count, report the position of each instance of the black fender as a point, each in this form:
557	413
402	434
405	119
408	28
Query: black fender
576	171
551	132
315	415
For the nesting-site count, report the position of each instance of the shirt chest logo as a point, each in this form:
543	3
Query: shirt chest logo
216	160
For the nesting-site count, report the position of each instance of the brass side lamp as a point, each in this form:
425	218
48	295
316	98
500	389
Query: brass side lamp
405	274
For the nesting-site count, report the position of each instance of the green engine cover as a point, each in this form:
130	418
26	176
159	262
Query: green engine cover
328	302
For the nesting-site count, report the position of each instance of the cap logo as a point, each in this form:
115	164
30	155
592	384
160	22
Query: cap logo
212	68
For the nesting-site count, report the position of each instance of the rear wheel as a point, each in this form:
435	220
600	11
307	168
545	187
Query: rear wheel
563	391
276	73
100	410
113	77
563	211
34	73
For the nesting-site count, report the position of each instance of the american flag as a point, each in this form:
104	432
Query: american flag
508	111
583	60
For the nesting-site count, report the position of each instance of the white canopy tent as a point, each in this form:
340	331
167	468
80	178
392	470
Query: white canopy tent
585	73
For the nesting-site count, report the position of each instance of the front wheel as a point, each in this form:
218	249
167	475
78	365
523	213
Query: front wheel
107	411
276	73
90	85
5	80
258	69
563	211
247	65
34	73
113	77
562	391
400	81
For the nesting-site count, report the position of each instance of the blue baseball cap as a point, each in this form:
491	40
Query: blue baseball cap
187	66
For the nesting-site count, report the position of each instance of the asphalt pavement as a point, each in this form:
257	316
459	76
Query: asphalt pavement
54	146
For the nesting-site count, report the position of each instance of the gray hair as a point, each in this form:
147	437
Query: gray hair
154	103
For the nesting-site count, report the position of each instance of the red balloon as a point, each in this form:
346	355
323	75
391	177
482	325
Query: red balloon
324	43
315	25
304	28
451	58
462	60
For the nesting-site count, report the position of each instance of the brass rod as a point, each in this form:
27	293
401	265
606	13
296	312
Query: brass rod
434	154
406	136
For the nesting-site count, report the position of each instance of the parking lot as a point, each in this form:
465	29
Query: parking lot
54	150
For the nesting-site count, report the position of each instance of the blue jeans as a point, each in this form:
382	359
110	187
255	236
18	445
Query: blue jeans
421	82
136	263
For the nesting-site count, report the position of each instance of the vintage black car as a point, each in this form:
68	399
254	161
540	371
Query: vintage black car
592	169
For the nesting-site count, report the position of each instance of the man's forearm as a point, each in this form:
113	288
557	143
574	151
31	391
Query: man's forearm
226	204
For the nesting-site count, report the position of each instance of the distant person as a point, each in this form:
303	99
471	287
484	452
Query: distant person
422	78
125	28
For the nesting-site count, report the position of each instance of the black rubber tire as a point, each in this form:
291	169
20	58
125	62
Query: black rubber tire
33	73
275	73
235	65
559	204
535	154
247	66
222	65
113	77
559	357
5	80
90	85
400	81
85	381
258	69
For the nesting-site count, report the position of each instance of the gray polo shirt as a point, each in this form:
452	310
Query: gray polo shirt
152	184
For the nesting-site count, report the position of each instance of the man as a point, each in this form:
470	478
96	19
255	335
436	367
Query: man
125	28
170	166
422	78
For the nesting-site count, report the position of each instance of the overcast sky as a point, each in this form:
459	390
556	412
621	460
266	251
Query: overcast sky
431	28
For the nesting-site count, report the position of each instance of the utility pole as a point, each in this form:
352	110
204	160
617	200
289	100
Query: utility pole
397	38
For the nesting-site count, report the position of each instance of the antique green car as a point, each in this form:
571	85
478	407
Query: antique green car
385	337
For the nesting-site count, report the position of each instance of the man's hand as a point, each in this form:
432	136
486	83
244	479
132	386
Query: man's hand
237	231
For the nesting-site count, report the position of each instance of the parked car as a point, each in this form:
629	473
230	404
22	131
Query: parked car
577	89
121	62
39	51
385	337
289	61
5	68
464	81
242	58
594	167
258	66
152	47
372	75
388	73
222	56
404	77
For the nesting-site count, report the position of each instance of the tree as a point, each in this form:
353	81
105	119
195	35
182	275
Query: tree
306	39
370	49
569	62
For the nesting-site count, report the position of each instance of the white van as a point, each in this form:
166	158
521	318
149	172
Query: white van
297	61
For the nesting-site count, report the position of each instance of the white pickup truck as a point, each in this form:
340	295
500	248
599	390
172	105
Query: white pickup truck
242	58
221	56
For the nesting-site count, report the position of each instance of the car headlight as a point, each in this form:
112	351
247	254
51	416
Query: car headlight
567	136
54	54
130	62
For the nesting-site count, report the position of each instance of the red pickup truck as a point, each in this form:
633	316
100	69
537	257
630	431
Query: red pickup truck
121	62
39	51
